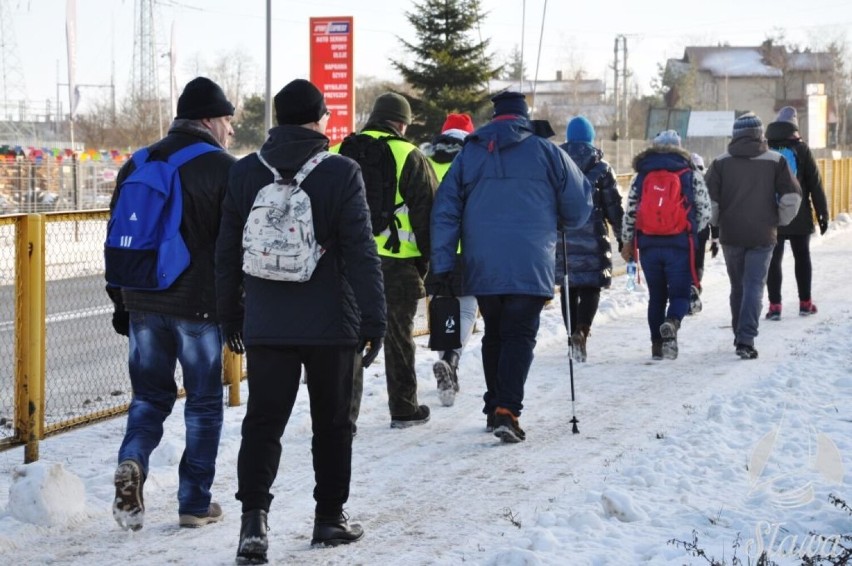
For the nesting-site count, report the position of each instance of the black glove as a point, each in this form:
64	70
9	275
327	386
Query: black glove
374	346
823	225
714	247
121	322
441	284
233	333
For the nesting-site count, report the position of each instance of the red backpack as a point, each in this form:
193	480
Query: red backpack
662	206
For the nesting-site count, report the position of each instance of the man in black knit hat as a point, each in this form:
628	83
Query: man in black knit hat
320	323
179	323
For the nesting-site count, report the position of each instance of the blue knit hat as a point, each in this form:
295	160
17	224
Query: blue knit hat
667	137
748	125
509	102
580	130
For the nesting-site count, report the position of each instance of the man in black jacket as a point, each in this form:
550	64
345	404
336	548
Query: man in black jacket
179	323
320	323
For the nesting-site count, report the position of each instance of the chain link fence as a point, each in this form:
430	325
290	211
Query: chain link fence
8	234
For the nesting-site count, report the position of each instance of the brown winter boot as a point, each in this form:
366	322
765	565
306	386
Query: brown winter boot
578	342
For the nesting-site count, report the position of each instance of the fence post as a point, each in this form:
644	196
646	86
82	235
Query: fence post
30	330
232	365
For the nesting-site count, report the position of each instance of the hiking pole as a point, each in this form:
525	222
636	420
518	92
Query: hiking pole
566	294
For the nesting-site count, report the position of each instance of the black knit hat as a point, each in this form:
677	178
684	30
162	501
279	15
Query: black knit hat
748	125
299	102
202	98
509	102
391	107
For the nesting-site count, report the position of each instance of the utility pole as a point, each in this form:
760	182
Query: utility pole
617	106
625	99
621	100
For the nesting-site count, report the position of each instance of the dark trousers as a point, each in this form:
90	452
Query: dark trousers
273	382
403	289
511	326
668	276
747	269
583	305
700	248
801	246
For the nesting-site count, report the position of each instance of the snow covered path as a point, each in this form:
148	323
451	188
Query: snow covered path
664	448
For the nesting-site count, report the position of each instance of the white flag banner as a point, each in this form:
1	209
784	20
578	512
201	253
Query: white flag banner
71	36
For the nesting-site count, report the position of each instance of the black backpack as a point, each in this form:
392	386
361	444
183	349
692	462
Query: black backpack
378	168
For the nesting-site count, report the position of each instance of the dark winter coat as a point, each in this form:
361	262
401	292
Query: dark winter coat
669	158
785	134
505	196
344	298
203	182
589	248
753	192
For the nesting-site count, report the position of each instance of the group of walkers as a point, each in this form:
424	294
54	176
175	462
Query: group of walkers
493	216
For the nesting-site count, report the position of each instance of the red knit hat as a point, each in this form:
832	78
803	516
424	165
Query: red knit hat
458	122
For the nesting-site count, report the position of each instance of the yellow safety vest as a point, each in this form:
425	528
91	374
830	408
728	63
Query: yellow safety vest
407	240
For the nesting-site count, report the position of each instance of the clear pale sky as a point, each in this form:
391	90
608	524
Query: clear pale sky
575	34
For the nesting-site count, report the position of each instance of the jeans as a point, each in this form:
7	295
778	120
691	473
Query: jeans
511	326
273	383
802	256
668	276
747	269
157	343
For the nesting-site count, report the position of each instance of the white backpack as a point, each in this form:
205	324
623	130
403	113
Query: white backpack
279	242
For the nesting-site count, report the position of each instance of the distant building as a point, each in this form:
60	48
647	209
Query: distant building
761	79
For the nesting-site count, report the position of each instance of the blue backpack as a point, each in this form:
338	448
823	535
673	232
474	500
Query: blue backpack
790	155
144	248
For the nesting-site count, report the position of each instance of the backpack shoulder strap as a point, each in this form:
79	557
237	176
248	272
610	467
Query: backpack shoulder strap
190	152
266	164
309	166
140	157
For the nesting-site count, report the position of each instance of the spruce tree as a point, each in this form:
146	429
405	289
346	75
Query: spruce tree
451	68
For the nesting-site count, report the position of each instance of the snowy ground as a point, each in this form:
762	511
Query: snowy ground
707	443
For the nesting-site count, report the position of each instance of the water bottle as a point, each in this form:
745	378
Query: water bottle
631	275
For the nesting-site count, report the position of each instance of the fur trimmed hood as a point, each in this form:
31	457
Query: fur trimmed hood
660	149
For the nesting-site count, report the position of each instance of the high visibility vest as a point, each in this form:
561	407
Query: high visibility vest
407	240
440	168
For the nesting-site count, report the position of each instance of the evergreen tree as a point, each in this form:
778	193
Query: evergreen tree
451	68
249	129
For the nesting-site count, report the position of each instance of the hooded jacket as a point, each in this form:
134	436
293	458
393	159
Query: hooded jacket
203	183
752	191
589	248
785	134
343	301
505	197
670	158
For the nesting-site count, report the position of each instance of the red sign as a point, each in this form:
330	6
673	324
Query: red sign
331	71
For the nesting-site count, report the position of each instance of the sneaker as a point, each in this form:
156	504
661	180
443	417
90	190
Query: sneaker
695	304
335	530
746	352
420	416
578	343
253	542
489	422
128	509
656	349
506	426
668	330
214	514
444	374
774	312
807	308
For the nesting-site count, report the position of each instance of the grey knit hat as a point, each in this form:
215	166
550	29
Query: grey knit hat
788	114
391	107
667	137
748	125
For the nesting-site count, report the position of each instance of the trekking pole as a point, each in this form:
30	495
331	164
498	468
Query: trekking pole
574	420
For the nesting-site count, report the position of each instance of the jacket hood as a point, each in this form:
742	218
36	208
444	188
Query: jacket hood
193	128
502	131
288	147
670	157
747	147
444	149
779	131
584	155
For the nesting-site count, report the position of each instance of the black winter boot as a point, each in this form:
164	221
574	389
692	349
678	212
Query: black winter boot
332	530
253	542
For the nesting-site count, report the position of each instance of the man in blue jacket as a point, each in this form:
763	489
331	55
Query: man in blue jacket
319	323
505	197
